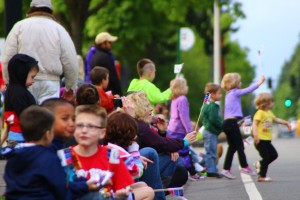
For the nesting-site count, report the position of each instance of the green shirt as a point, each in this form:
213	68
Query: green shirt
211	118
154	94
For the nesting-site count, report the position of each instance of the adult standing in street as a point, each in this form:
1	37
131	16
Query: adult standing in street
103	57
43	38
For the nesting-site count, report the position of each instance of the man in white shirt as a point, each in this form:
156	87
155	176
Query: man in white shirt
41	37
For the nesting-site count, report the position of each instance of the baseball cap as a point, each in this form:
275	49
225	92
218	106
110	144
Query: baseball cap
105	36
41	3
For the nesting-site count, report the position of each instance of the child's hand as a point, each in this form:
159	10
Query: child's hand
256	140
288	125
261	80
93	185
122	194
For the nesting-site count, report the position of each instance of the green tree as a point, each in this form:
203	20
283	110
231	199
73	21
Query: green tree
2	28
289	88
74	14
149	29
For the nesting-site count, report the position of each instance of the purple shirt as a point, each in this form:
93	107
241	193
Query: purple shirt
233	107
87	63
180	116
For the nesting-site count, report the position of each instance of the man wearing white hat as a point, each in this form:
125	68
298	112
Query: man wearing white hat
104	58
41	37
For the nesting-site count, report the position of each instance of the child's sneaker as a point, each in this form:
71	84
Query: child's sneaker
203	172
264	179
196	177
227	174
248	170
257	166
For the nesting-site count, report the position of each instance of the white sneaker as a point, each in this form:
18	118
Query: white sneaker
257	166
227	174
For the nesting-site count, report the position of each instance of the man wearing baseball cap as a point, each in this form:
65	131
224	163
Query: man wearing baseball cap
42	37
103	57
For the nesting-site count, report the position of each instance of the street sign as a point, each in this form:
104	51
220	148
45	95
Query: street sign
187	39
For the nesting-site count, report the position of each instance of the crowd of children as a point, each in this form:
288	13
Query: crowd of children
90	143
99	145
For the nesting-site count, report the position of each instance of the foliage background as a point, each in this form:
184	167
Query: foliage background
149	29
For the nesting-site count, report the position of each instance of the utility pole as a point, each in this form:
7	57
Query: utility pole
217	46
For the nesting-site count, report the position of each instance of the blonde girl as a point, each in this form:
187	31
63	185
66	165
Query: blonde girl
231	83
262	132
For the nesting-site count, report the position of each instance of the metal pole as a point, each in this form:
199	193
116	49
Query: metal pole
178	47
217	51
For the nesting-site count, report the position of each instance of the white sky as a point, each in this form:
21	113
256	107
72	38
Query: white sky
274	27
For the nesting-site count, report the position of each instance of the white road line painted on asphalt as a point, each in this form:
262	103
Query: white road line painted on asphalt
250	187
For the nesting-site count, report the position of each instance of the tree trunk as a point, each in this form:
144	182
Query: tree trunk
78	12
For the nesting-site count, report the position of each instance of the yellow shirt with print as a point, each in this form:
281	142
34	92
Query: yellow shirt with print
265	122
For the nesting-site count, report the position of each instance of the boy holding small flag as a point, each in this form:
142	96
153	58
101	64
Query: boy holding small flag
212	122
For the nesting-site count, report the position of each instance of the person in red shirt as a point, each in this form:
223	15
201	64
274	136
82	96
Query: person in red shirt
21	70
92	160
2	83
99	77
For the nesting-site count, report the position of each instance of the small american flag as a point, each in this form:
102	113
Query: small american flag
207	97
178	192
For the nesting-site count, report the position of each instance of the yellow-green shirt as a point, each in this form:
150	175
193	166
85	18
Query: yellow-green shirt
153	93
265	121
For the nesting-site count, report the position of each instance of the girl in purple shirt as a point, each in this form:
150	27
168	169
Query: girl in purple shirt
180	123
231	83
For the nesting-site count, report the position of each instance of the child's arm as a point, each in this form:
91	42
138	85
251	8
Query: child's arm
251	88
254	130
154	94
184	114
261	80
283	122
4	135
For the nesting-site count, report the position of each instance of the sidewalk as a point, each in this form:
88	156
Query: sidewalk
2	183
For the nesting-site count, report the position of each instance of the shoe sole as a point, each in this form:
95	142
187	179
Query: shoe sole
250	174
228	177
265	180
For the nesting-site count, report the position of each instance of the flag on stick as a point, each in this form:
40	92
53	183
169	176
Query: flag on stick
205	101
260	62
177	69
178	191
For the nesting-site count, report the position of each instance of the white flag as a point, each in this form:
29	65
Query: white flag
177	68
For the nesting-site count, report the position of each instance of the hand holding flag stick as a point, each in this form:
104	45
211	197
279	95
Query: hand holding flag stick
206	100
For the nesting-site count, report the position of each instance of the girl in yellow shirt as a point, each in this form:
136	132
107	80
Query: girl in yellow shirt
262	133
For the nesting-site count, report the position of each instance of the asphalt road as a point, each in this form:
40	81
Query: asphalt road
284	172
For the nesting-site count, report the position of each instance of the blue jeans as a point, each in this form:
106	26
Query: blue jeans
210	144
166	166
194	155
151	175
